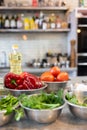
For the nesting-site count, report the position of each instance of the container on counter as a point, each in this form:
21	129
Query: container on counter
15	59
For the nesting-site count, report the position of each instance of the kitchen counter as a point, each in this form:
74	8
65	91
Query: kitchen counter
66	121
38	71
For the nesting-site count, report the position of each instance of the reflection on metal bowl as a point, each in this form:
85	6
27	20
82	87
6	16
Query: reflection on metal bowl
15	92
55	86
4	119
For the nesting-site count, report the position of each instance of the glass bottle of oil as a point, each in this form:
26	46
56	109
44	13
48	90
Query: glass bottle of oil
15	60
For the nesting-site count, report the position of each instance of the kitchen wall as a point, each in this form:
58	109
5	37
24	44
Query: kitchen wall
36	44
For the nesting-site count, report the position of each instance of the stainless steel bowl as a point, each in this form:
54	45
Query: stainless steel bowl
43	116
15	92
4	119
77	110
55	86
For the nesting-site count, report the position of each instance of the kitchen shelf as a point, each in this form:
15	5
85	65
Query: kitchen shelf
7	9
29	31
33	8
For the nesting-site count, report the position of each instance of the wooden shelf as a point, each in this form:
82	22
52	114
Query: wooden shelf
20	9
26	31
33	8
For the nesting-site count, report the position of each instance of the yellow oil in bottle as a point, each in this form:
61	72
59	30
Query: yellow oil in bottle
15	60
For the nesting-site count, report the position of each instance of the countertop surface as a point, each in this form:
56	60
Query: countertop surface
37	71
33	69
66	121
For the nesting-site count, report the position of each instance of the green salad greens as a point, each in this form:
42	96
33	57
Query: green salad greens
43	100
10	104
73	99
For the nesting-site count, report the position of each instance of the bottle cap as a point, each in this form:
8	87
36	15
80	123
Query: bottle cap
15	46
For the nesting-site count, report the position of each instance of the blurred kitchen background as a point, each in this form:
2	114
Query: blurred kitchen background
41	50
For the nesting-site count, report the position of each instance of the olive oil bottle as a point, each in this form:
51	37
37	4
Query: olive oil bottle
15	60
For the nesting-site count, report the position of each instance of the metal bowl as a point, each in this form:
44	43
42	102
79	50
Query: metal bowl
4	119
15	92
55	86
77	110
43	115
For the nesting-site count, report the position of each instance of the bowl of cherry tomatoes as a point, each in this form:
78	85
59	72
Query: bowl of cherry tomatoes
55	79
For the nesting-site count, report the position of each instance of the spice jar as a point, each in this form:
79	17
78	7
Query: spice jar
53	21
58	22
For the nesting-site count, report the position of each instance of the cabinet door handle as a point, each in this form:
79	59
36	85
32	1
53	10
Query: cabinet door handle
82	64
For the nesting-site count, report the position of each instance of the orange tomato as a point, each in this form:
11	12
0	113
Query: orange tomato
47	76
55	70
63	76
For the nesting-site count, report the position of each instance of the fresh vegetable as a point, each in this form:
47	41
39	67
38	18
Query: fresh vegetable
23	81
63	76
73	99
55	71
10	104
54	75
47	76
43	100
12	80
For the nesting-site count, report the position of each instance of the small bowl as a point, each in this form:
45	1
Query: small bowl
77	110
4	119
55	86
15	92
43	115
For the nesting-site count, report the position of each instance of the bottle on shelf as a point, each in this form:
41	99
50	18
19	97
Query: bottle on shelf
81	3
41	19
15	60
19	22
7	22
35	3
37	20
2	21
12	22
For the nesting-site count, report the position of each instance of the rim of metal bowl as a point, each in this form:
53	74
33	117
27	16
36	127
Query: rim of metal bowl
74	105
27	90
56	81
57	108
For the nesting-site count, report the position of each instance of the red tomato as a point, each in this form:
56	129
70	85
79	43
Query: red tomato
55	71
63	76
47	76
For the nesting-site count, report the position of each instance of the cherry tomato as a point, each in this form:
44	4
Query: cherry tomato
47	76
63	76
55	70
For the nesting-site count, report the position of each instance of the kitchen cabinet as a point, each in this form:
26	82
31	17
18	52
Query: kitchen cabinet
31	10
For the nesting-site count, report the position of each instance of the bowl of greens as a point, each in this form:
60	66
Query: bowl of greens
43	107
77	107
8	105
